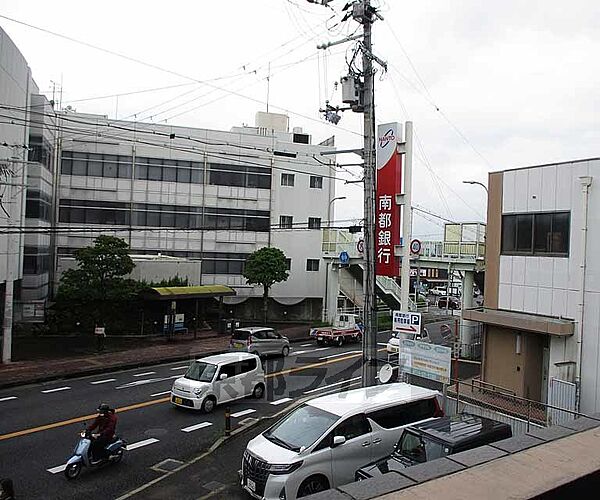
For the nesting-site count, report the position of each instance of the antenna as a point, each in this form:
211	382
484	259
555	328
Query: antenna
268	84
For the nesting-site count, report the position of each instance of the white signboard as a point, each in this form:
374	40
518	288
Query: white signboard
425	360
406	322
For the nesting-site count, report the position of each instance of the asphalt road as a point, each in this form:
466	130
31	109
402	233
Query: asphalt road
39	423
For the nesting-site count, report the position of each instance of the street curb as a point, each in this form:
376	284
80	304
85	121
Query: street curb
105	369
218	443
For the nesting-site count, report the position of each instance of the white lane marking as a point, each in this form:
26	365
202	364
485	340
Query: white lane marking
56	470
331	385
180	367
47	391
129	447
280	401
382	343
339	354
310	350
96	382
139	444
8	398
305	345
196	427
137	383
243	412
160	394
144	374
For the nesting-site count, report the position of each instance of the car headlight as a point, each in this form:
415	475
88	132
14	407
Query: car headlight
198	391
284	468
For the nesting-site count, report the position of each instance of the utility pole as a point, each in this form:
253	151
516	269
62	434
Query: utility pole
369	369
358	95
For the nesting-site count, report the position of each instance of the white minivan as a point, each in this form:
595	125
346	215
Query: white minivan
321	444
217	379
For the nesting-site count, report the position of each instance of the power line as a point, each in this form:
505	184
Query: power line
172	72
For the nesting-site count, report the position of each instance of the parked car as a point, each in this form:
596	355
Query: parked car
259	340
453	302
438	290
435	439
218	379
323	442
392	345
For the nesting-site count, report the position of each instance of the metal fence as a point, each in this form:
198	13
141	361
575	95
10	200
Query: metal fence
489	400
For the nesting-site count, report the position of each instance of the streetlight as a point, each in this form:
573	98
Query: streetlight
478	183
324	308
329	208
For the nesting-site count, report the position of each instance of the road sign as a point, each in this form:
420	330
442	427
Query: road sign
344	258
425	360
415	246
360	246
406	322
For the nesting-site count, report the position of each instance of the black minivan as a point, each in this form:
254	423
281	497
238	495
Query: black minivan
436	439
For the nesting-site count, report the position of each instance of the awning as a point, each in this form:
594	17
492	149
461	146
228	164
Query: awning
521	321
188	292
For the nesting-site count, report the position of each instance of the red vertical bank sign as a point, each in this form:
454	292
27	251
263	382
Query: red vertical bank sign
387	213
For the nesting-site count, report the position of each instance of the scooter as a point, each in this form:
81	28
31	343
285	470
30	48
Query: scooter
82	455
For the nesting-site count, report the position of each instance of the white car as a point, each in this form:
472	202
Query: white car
321	443
438	291
217	379
392	345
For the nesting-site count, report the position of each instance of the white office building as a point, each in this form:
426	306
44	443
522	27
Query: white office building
206	195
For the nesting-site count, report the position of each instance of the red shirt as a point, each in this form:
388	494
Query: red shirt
106	425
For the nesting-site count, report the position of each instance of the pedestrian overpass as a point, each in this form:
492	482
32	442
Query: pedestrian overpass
462	250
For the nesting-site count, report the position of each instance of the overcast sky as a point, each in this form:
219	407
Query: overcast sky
515	82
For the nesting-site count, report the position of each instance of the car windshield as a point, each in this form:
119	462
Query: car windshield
200	371
301	428
240	335
420	448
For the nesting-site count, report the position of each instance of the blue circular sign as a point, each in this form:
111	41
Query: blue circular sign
344	257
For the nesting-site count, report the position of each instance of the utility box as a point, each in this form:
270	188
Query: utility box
350	90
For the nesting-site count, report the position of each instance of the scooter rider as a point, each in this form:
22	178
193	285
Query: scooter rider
106	423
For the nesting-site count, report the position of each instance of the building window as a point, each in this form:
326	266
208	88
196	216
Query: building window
314	223
287	179
536	234
286	221
288	264
316	182
312	264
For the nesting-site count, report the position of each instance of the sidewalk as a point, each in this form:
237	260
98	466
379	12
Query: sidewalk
40	370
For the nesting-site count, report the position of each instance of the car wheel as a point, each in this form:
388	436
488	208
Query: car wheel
285	351
340	341
312	485
359	338
259	391
208	405
320	342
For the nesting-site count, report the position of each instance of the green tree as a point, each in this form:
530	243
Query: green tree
265	267
97	288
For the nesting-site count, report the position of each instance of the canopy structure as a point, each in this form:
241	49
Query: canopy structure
188	292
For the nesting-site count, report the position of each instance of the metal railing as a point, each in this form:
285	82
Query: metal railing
389	285
451	249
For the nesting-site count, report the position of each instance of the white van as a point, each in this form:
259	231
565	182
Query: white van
217	379
323	442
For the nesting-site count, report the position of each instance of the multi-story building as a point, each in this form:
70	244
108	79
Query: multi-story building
206	195
541	312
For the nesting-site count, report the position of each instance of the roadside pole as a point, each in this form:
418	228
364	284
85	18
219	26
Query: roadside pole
369	370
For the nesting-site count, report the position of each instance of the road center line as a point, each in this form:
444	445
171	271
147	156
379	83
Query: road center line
58	389
144	374
180	367
305	345
8	398
136	406
96	382
197	426
339	354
